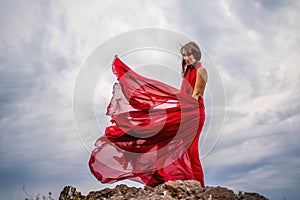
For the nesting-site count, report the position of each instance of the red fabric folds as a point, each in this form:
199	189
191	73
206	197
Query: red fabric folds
154	133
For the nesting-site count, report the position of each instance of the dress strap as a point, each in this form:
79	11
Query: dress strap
199	64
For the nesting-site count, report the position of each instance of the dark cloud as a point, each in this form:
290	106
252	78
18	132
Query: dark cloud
274	5
43	43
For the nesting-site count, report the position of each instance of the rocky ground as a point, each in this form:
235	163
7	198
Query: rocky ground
169	190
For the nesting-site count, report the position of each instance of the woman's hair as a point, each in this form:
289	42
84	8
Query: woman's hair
193	48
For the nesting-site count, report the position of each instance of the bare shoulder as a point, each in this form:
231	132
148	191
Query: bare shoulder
202	71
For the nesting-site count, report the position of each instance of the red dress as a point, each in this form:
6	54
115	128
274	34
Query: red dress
155	132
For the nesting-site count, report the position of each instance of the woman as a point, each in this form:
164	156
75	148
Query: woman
196	76
156	128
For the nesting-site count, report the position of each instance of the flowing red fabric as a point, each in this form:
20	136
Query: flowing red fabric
154	133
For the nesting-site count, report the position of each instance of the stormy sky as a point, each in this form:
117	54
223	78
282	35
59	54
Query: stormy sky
254	46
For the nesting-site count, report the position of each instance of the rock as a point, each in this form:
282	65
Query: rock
215	193
252	196
70	192
180	189
170	190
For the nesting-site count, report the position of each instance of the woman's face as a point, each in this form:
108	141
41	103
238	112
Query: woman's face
188	57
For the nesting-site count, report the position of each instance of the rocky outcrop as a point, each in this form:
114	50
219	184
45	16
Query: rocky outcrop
170	190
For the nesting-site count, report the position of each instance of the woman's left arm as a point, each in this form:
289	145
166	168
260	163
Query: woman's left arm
200	83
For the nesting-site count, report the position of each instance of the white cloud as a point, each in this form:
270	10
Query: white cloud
254	45
42	47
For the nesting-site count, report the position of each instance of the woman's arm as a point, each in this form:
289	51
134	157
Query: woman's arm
200	83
